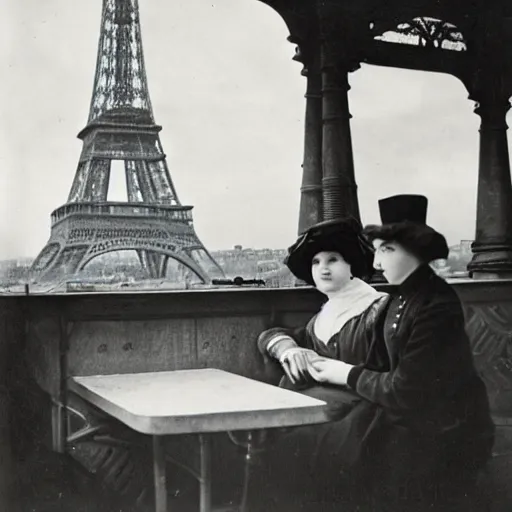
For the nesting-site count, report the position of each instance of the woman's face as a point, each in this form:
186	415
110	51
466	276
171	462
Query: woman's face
330	272
396	263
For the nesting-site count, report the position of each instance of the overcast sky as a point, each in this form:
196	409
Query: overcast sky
230	99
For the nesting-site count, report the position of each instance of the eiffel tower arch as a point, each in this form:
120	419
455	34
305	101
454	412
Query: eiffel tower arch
121	127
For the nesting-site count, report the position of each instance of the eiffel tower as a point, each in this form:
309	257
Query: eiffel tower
121	127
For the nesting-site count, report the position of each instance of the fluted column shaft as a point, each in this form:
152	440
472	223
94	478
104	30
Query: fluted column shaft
338	181
310	211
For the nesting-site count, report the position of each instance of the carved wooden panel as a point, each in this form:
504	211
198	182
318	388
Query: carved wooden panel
11	333
490	329
230	344
129	347
42	350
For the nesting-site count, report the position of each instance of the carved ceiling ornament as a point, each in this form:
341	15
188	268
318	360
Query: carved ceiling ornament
426	32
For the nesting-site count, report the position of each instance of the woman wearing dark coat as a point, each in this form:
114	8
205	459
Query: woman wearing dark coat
333	256
413	427
431	429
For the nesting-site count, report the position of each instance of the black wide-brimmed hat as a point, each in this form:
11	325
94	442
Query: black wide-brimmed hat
404	220
341	235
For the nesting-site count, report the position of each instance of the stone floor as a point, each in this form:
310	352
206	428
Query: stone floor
48	482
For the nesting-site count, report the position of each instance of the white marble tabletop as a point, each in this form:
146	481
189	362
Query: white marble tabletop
195	401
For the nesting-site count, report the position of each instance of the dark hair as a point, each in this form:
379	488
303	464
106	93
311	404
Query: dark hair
419	239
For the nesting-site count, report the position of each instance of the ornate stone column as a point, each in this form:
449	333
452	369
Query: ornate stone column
310	211
338	182
492	247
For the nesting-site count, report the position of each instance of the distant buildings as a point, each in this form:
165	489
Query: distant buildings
266	264
249	263
456	263
14	271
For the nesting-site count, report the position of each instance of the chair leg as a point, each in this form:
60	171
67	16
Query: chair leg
159	475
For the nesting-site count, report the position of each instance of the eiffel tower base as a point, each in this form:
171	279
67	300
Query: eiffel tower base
83	231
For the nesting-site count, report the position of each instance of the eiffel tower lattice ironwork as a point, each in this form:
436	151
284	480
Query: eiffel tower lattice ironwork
121	127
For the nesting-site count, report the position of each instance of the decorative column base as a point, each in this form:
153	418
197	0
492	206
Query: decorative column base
491	261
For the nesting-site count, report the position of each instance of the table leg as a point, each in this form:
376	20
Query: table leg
205	478
247	471
159	474
59	431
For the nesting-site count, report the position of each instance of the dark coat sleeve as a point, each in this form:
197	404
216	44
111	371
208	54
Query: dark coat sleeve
424	375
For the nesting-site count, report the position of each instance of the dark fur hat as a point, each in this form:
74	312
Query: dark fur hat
341	235
404	221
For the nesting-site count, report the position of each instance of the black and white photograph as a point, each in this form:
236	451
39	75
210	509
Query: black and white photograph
255	256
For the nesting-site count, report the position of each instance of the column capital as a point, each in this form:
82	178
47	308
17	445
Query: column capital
492	109
307	52
334	54
341	39
491	90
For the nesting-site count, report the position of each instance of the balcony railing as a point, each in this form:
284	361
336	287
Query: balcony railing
174	213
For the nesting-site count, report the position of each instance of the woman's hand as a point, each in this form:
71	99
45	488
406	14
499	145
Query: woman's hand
330	371
296	363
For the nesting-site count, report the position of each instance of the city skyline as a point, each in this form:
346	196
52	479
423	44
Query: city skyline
230	99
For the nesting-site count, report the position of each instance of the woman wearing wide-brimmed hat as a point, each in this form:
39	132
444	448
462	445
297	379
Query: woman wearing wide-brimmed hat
434	432
334	257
